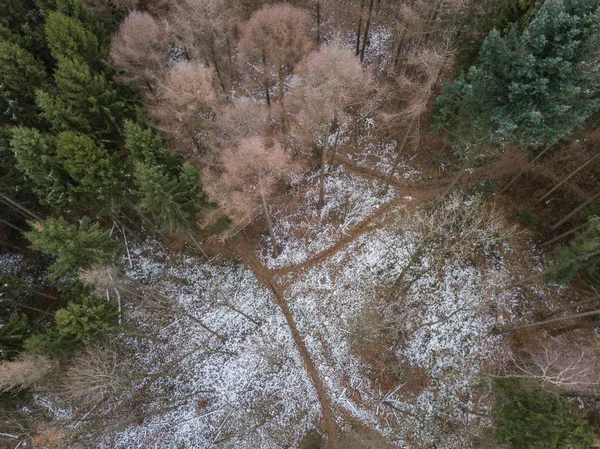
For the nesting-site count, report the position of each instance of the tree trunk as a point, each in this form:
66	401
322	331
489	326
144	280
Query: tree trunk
572	306
399	150
321	201
335	145
270	227
553	320
366	35
528	166
563	235
573	173
577	209
10	225
215	61
267	95
456	179
284	127
318	22
20	207
359	29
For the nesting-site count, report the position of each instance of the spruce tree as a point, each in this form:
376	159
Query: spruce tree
529	88
172	200
582	254
74	247
67	37
35	155
94	174
20	75
83	101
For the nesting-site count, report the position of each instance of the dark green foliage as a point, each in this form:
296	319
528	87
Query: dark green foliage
173	200
582	254
531	419
529	88
20	75
24	20
528	218
145	146
12	335
93	172
35	154
78	323
73	246
82	322
516	14
83	101
11	179
68	38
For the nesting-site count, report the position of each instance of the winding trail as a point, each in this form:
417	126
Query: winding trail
418	193
265	277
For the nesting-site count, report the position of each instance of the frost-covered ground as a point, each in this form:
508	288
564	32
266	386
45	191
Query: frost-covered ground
252	390
246	387
447	328
307	230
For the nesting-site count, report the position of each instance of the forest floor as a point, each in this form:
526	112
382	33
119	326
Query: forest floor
310	340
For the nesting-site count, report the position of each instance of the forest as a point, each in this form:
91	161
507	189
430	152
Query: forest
310	224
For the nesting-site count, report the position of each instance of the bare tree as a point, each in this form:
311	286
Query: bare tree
248	176
331	80
95	374
240	120
273	41
202	29
185	102
140	50
415	84
560	363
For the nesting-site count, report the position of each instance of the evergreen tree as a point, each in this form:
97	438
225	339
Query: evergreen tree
83	101
11	179
73	246
583	253
145	146
528	88
68	38
12	334
94	173
20	75
22	22
530	419
173	200
35	155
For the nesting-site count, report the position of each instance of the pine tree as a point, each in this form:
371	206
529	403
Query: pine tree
83	101
531	419
73	246
35	155
145	146
583	253
173	200
68	38
93	171
20	75
529	88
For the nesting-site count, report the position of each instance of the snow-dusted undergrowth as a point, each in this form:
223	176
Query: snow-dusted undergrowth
249	391
307	230
252	390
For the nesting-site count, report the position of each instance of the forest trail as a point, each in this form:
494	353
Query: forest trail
265	277
410	194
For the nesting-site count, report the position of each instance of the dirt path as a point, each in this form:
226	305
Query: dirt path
265	277
418	193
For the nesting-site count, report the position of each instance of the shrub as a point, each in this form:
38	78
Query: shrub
528	217
533	419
